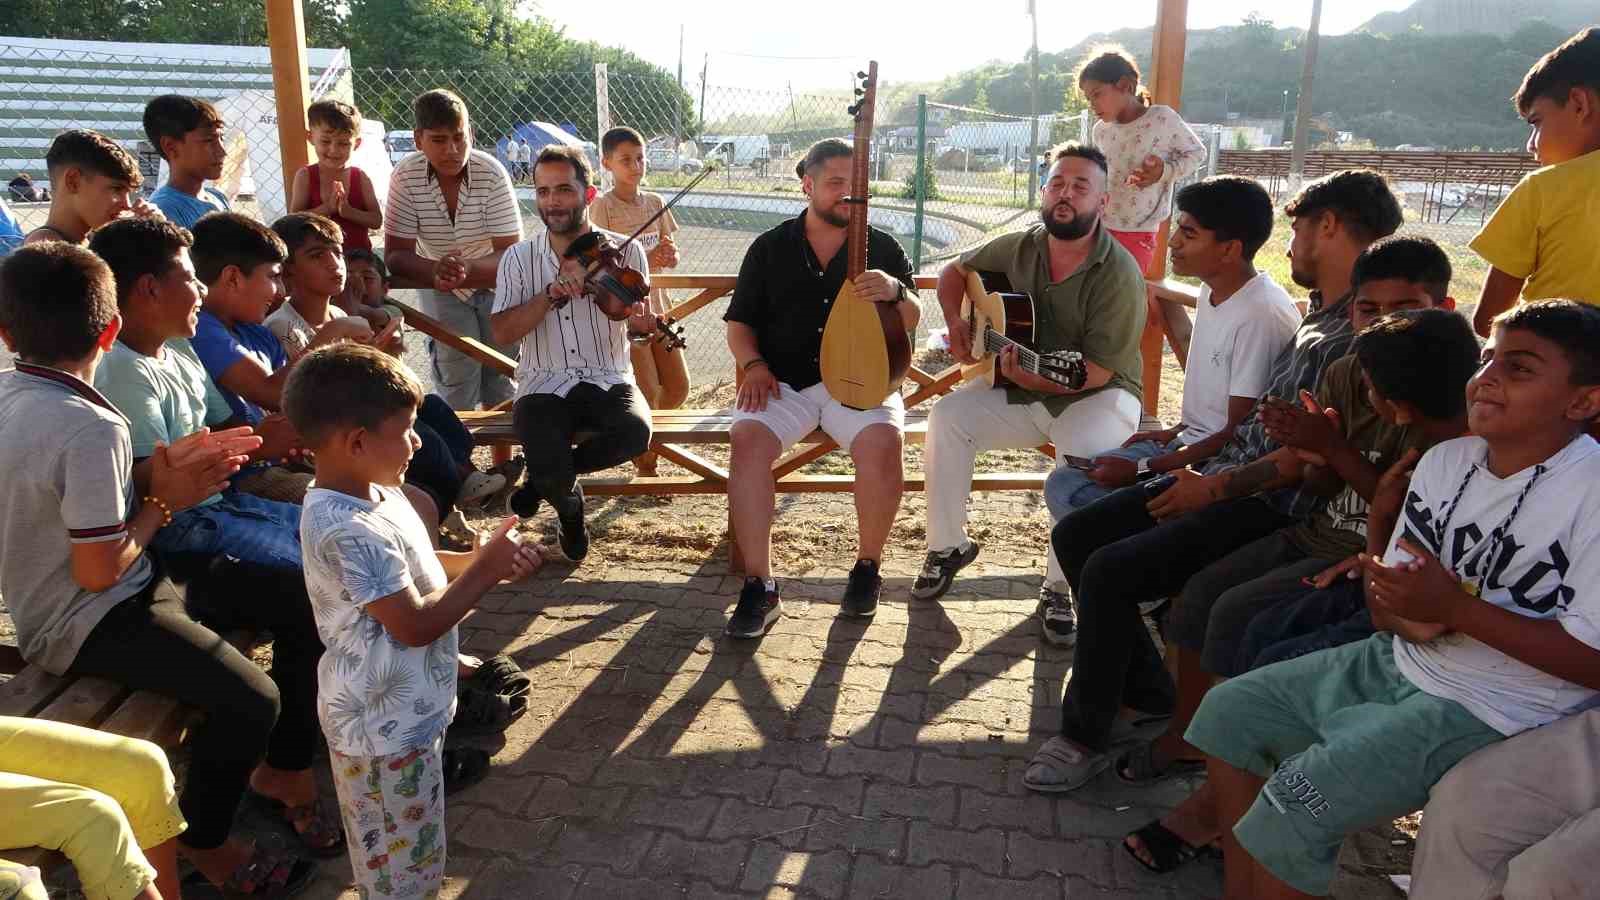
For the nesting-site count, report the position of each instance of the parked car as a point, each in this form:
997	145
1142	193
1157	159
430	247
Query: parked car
399	144
663	160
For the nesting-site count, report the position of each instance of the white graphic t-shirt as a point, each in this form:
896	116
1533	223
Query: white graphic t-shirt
375	695
1546	566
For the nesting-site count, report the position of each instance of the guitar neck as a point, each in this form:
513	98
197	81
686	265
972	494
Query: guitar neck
860	163
994	342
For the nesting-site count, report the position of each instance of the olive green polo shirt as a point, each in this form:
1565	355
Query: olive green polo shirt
1098	310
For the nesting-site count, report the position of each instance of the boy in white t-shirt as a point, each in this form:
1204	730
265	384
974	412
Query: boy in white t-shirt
1242	320
386	605
1489	585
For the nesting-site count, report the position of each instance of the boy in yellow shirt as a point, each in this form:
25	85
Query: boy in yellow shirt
1541	242
662	374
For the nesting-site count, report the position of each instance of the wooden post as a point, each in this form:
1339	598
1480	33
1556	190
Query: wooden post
286	36
1166	87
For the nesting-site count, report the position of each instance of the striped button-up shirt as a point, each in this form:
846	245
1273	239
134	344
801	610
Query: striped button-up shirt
573	344
486	208
1324	336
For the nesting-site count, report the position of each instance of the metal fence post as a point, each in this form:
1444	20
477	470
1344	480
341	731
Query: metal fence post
921	180
602	113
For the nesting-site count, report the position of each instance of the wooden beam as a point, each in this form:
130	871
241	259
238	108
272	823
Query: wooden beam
441	332
286	37
1166	87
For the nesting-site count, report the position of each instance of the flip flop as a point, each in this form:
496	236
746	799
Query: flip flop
500	674
1059	767
1167	850
1138	766
480	712
318	824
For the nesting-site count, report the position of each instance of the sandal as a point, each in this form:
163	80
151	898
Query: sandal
1139	766
500	674
1167	850
265	877
481	712
317	824
463	767
1059	767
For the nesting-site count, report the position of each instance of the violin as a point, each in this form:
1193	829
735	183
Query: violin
618	286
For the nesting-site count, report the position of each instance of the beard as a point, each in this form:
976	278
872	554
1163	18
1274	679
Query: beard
1303	277
569	222
832	216
1072	229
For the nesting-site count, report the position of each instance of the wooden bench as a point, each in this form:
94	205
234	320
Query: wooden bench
92	703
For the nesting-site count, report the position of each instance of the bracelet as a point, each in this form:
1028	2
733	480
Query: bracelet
166	511
757	361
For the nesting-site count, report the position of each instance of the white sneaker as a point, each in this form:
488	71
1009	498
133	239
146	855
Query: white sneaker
479	486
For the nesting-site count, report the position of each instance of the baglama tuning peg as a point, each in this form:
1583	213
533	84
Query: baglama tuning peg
860	91
862	76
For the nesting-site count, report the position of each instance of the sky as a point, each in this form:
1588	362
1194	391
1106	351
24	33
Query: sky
817	43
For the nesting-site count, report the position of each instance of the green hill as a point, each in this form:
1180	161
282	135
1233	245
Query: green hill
1411	87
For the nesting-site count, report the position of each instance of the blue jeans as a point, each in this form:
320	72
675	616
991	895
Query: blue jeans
1068	489
1303	623
446	447
240	525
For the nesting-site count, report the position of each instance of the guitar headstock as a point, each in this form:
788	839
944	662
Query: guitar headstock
1064	367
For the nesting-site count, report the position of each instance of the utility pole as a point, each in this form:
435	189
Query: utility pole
1033	106
1302	113
677	107
704	68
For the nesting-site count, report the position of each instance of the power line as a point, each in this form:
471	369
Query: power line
784	58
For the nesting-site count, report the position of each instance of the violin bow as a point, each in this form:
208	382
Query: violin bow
669	204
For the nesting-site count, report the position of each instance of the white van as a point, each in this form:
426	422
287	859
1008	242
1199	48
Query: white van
399	144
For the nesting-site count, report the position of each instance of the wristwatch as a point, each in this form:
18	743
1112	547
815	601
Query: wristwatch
1141	469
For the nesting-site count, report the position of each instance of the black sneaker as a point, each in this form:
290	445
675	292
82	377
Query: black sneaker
571	533
862	591
758	608
522	502
1058	617
939	571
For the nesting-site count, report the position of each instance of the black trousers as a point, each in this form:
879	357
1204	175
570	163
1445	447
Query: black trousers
1116	556
151	643
616	422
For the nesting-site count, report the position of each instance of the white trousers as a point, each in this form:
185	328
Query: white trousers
977	418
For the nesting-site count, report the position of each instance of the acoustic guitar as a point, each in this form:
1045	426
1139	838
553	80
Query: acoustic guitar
1002	318
865	348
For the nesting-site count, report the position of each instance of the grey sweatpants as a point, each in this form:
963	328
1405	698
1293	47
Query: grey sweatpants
1518	819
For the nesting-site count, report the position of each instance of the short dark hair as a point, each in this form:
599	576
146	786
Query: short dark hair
1359	198
572	156
297	229
439	108
1423	357
819	153
371	258
137	247
346	386
1570	325
1232	207
1078	150
223	239
336	115
1574	64
56	299
618	136
94	153
1415	259
174	115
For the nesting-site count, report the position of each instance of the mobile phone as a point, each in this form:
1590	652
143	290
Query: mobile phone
1077	462
1156	486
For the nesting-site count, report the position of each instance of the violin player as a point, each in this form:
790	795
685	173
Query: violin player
574	372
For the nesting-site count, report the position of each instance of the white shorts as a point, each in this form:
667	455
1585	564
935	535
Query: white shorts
794	414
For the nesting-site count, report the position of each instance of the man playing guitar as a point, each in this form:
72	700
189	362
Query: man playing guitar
786	287
574	372
1089	297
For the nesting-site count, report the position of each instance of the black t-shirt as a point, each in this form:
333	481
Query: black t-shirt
785	294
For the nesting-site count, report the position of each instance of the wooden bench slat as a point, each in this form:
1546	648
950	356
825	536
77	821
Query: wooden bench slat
86	702
150	717
30	691
699	465
792	484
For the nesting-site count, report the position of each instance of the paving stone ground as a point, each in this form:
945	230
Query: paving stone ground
832	759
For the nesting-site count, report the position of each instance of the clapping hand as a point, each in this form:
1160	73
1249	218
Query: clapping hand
1147	173
504	556
449	272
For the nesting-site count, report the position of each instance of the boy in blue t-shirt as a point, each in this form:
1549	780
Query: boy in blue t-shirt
153	377
187	132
